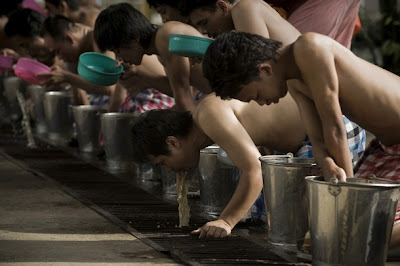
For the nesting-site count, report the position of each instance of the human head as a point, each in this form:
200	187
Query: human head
237	63
211	17
161	137
124	30
59	35
168	10
61	7
8	6
24	28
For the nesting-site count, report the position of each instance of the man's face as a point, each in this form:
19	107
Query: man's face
211	23
130	55
180	158
169	13
263	91
34	47
67	50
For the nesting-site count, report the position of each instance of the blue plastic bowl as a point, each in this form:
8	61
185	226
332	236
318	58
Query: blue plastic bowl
99	69
187	45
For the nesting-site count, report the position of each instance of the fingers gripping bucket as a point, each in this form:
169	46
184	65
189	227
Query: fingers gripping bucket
285	197
116	129
351	222
87	120
58	115
218	181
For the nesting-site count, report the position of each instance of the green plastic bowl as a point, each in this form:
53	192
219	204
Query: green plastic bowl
99	69
187	45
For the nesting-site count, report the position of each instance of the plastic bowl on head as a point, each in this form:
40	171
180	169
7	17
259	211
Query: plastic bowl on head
27	69
6	61
187	45
99	69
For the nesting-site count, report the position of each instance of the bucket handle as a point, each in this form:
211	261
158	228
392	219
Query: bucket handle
333	188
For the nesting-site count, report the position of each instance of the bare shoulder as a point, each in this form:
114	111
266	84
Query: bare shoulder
209	107
246	6
176	27
310	46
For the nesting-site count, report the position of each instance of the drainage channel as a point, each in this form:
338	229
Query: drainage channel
144	215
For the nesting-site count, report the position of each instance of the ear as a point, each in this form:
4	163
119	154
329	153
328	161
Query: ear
69	38
173	143
265	68
222	5
64	7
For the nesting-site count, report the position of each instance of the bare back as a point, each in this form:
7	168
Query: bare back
257	17
368	94
277	127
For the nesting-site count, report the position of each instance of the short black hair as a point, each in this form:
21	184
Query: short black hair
56	26
8	6
120	24
72	4
151	129
24	22
232	59
187	6
171	3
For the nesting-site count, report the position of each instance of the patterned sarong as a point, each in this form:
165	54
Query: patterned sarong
382	161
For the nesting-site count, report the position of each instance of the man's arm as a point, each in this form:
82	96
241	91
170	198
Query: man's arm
219	122
317	66
312	123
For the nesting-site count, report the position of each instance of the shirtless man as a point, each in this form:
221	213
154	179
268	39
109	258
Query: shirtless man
174	140
73	10
131	36
345	84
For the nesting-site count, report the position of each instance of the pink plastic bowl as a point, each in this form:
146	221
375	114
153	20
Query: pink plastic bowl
27	69
6	61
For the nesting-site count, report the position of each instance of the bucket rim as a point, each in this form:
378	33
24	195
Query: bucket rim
89	107
118	115
280	161
210	150
389	184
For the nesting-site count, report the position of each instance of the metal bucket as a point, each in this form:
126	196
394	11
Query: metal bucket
36	93
351	222
87	121
116	129
58	114
285	197
218	181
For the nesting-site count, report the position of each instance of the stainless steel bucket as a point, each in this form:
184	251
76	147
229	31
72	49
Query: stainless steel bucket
218	181
87	121
116	129
36	93
351	222
285	197
58	114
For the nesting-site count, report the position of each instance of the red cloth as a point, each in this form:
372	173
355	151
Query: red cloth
146	100
382	161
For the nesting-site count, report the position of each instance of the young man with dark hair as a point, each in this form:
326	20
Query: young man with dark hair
214	17
123	29
174	140
168	10
72	9
24	29
327	81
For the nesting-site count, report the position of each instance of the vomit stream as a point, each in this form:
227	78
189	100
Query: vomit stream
182	191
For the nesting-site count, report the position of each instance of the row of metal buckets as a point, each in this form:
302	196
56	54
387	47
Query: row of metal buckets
350	223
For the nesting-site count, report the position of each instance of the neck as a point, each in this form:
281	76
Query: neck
287	64
152	49
199	139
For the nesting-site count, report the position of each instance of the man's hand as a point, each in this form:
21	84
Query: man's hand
333	171
55	77
215	229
